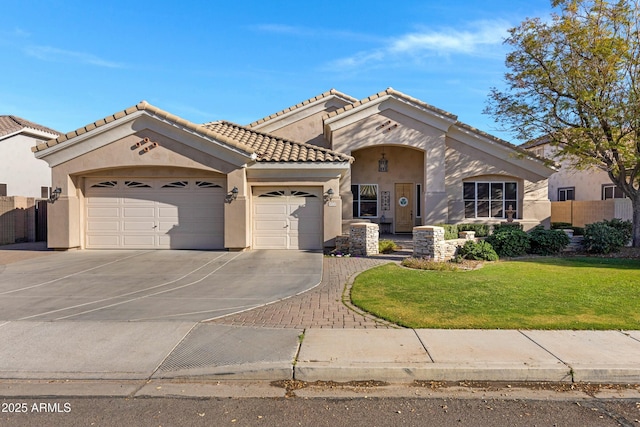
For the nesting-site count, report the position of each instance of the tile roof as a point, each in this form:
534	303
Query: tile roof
302	104
12	124
154	111
271	148
265	146
389	92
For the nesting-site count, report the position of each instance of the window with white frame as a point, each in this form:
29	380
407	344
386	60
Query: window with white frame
365	200
490	199
611	191
418	200
567	193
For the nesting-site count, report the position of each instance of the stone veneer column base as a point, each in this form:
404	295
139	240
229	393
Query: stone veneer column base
363	239
428	242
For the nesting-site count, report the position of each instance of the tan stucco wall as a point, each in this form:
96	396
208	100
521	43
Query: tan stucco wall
437	159
466	163
303	124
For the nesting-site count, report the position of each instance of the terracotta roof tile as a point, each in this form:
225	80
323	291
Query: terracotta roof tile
275	149
12	124
388	92
267	147
302	104
144	106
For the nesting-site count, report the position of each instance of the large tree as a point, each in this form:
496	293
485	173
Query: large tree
575	79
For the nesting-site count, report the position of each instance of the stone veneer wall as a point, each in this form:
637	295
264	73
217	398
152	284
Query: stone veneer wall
342	244
429	242
363	239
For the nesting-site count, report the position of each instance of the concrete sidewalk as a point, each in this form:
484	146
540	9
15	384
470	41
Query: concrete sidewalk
312	336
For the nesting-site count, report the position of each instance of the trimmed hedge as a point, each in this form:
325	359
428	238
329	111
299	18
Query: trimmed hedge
481	250
607	236
547	242
509	241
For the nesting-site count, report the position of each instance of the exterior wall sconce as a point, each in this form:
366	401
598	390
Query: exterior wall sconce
328	195
55	195
232	195
383	164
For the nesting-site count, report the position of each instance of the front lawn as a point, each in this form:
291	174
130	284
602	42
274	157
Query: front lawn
535	293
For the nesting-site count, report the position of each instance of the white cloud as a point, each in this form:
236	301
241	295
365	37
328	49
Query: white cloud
480	39
48	53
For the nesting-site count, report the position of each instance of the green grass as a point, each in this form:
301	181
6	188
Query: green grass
536	293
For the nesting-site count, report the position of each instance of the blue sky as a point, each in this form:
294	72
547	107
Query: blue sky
68	63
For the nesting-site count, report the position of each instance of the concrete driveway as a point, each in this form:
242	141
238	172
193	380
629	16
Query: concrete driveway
151	285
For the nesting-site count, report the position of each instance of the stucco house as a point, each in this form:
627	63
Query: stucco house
144	178
570	183
21	174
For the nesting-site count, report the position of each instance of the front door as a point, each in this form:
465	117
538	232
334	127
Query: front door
404	208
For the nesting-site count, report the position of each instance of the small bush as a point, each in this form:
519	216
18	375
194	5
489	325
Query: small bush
387	246
624	228
481	251
504	226
509	242
606	236
427	264
450	231
482	230
547	242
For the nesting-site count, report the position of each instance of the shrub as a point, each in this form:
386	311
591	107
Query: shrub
482	230
450	231
606	236
509	242
387	246
547	242
503	226
481	251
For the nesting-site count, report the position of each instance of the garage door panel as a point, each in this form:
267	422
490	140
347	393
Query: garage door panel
141	212
270	208
105	241
165	211
139	240
103	212
188	217
271	242
112	226
280	214
143	225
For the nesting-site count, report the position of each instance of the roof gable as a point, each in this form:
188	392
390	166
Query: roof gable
389	98
304	105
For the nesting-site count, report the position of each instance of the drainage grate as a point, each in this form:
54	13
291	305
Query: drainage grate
222	345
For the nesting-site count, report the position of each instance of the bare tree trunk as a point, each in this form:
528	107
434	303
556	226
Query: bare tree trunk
635	204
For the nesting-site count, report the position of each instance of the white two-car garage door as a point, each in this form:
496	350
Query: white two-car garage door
287	218
144	213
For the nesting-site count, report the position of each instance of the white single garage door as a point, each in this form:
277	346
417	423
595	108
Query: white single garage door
287	218
143	213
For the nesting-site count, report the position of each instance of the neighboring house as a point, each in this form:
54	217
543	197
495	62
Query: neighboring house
21	174
569	183
144	178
